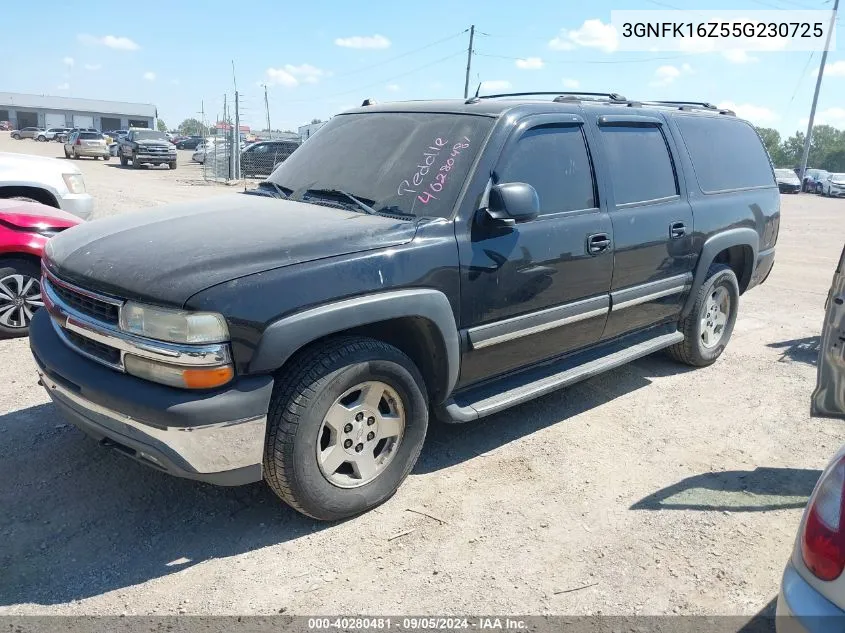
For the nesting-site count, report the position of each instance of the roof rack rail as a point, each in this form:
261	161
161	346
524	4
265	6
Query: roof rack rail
610	95
699	104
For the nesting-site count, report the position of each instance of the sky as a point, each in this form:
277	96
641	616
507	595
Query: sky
319	58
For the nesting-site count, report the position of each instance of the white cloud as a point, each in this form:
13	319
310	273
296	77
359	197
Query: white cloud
665	75
756	114
64	86
119	43
305	72
291	76
393	87
738	56
93	66
529	63
571	84
150	75
834	69
363	41
830	116
592	34
495	84
68	61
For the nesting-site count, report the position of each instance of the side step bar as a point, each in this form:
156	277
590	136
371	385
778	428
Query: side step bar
516	389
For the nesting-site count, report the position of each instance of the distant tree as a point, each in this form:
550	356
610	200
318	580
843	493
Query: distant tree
161	125
771	139
793	148
288	131
313	121
835	161
191	127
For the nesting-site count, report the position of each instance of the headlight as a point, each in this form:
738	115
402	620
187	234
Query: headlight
175	326
75	183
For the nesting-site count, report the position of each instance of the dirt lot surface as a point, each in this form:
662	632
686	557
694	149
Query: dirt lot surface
653	489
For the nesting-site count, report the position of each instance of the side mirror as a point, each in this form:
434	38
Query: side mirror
513	202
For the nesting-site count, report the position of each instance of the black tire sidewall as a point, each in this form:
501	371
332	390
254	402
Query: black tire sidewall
723	277
23	267
313	491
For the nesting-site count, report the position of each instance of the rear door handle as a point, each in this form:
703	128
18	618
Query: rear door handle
597	243
677	229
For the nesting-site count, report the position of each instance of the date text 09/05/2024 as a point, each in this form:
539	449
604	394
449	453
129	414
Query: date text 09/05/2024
416	623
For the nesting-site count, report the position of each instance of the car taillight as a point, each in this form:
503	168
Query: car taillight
823	540
79	141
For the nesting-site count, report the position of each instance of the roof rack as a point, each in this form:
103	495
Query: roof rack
700	104
562	96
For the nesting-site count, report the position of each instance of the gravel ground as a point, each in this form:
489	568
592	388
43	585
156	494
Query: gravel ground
653	489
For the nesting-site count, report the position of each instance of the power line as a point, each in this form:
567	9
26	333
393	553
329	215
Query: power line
594	61
393	59
801	79
381	81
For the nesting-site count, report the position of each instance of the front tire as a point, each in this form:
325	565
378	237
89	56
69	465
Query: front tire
20	296
135	163
123	161
710	323
172	165
346	424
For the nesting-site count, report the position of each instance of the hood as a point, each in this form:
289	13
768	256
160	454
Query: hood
11	161
35	216
167	254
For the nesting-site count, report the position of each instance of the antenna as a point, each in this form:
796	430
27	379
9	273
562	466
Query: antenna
477	90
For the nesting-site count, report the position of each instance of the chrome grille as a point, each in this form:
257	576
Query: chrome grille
93	348
87	305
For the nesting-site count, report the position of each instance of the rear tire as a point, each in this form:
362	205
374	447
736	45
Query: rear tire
20	279
320	381
703	344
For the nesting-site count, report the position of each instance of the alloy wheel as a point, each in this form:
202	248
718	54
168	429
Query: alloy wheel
717	309
20	297
360	434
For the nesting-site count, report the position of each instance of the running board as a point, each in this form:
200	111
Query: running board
491	398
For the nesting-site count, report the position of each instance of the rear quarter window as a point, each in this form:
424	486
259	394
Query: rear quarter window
726	153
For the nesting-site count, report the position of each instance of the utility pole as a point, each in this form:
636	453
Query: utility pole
809	136
267	110
202	120
236	142
469	59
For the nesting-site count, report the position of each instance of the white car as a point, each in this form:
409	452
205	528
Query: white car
812	592
51	134
50	181
833	185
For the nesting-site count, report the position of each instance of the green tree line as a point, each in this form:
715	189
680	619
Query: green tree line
827	148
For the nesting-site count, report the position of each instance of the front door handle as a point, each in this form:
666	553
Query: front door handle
597	243
677	230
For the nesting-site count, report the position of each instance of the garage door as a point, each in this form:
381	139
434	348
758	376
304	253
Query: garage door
83	121
54	120
109	124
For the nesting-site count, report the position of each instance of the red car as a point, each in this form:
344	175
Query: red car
25	228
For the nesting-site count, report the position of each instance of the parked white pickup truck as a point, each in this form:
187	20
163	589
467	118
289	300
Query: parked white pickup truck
49	181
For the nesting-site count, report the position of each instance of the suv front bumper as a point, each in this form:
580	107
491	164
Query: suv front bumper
214	436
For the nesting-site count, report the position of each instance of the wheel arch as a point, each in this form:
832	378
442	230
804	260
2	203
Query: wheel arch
419	322
43	196
737	248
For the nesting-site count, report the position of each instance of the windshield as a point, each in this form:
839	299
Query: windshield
399	162
150	135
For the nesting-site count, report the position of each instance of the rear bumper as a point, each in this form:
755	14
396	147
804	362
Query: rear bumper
92	151
213	436
802	609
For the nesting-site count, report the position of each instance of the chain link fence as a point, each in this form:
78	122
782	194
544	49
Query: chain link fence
220	155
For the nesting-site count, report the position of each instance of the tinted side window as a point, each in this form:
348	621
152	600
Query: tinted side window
640	166
726	153
552	159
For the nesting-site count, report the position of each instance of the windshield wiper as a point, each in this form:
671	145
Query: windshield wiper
284	191
335	192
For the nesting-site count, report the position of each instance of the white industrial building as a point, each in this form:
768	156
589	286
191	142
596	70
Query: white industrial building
45	111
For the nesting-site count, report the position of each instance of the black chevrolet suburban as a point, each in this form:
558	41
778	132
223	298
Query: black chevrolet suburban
446	259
